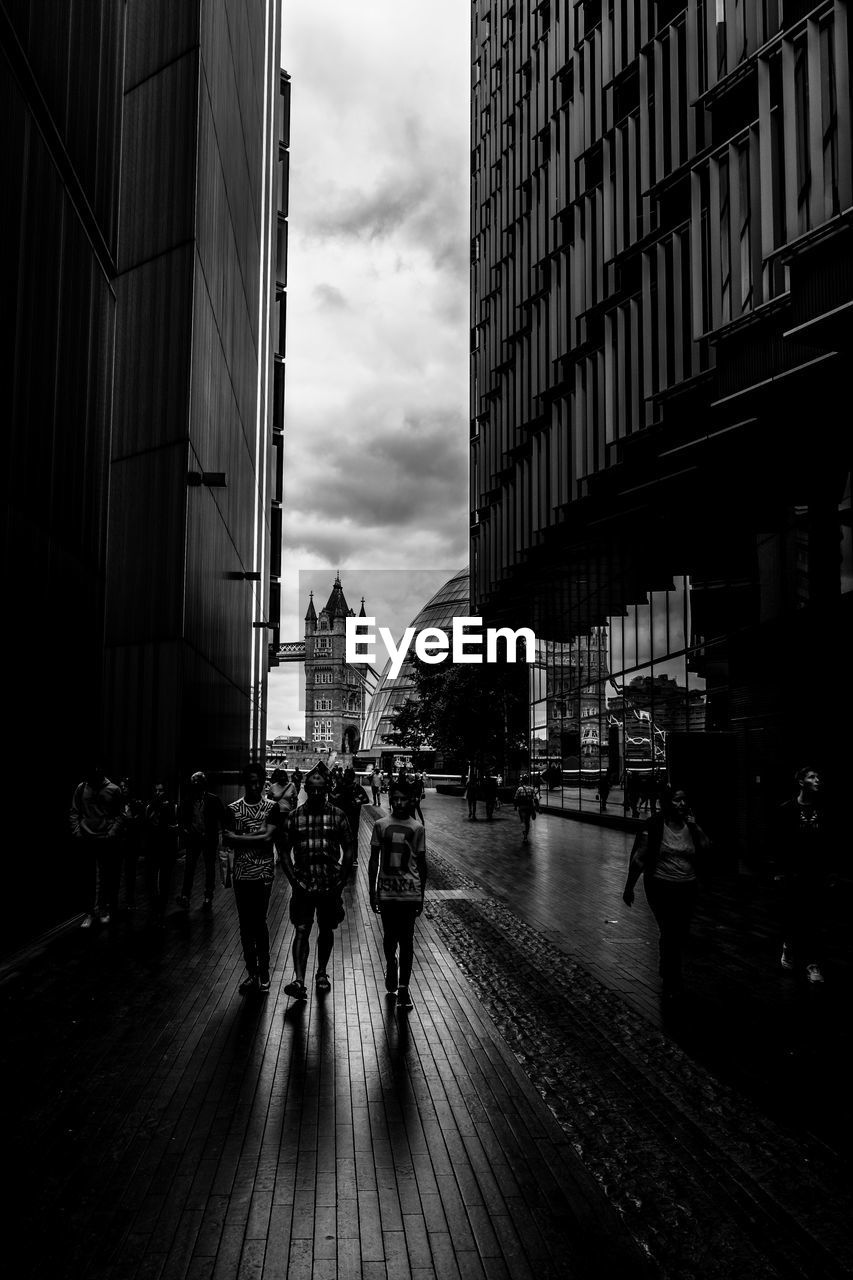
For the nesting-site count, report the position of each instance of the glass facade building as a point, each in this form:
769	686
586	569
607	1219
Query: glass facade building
451	600
661	324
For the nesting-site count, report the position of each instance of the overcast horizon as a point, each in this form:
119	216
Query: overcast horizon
376	406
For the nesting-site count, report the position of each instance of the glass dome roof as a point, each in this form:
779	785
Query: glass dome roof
449	602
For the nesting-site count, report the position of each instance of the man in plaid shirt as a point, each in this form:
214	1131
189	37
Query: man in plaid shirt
316	856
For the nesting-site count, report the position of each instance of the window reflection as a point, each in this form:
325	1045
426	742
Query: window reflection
609	706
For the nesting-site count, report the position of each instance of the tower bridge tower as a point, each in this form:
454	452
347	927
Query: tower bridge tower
335	690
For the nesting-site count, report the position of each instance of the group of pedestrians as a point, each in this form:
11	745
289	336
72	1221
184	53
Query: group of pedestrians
412	780
316	843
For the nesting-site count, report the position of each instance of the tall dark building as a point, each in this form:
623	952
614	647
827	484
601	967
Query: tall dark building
662	295
144	271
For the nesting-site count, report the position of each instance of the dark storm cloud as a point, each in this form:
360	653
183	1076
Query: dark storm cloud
401	476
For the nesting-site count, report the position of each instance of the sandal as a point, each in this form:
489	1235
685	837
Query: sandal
323	983
296	989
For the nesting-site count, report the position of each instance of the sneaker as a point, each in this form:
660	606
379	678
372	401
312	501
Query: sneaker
87	921
813	973
786	959
296	989
249	983
207	904
264	982
182	901
404	1000
391	975
322	982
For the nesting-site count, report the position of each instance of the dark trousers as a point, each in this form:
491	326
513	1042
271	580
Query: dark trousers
198	846
398	930
673	903
253	899
159	873
102	871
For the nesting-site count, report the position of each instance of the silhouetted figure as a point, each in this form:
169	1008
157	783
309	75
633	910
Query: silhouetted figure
95	819
132	839
490	787
805	852
250	827
524	802
668	853
472	785
351	798
416	792
397	875
161	849
202	817
317	860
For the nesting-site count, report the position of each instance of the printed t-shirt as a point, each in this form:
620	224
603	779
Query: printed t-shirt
400	844
253	862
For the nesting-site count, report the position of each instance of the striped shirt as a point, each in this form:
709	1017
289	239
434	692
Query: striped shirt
316	841
253	861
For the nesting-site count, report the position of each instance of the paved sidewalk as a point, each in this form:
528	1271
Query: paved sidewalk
165	1127
761	1029
533	1116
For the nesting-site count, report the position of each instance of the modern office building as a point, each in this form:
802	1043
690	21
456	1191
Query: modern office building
450	601
144	252
661	306
195	440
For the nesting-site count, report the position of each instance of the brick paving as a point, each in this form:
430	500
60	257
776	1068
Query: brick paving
158	1125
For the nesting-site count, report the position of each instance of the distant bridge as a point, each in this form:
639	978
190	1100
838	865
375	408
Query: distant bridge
292	651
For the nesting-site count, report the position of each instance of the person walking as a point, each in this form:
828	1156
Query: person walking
250	825
375	780
160	837
524	802
316	856
284	792
397	875
472	784
805	849
350	799
490	786
131	839
417	791
668	852
202	816
95	818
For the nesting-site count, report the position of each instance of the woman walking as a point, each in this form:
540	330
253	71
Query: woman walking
668	853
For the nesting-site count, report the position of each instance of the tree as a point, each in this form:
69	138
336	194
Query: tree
475	711
409	734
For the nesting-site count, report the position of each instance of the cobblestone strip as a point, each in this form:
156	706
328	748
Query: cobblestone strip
708	1186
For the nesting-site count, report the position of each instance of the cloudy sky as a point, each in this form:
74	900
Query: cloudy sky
377	316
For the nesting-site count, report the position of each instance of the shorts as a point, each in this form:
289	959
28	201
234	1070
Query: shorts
330	910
